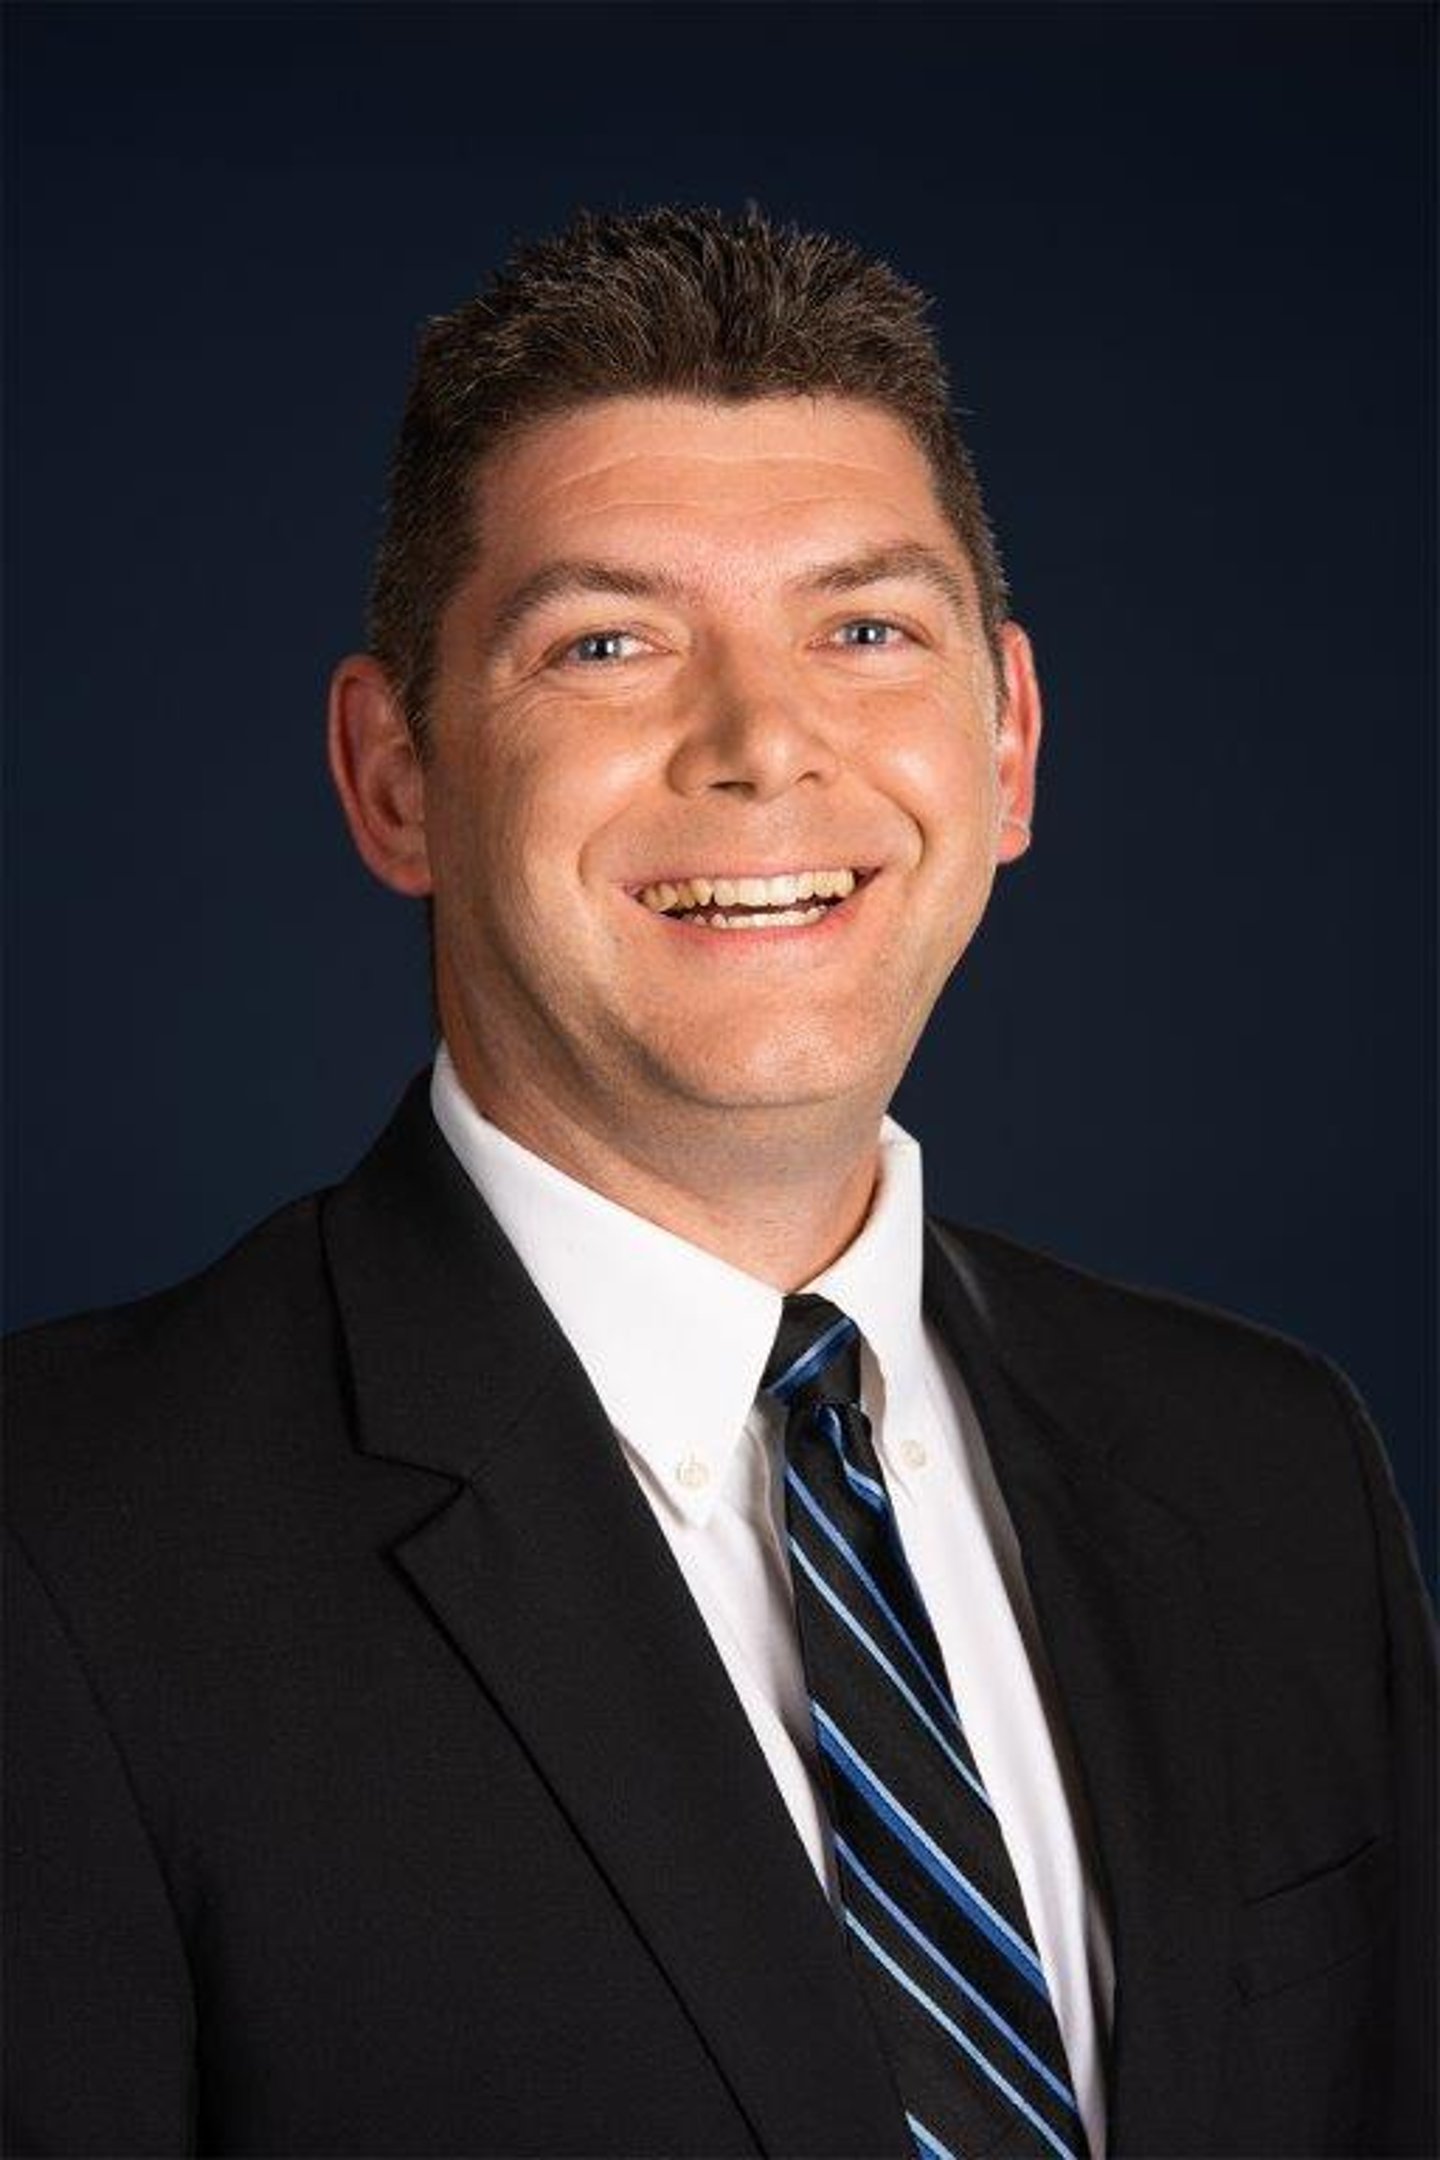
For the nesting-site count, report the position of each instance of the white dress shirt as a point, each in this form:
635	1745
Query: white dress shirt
674	1341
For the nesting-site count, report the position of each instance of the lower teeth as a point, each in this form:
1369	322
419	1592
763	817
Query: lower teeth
753	918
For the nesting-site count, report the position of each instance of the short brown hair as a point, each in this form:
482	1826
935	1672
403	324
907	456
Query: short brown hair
686	303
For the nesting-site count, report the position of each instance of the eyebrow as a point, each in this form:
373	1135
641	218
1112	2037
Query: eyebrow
573	576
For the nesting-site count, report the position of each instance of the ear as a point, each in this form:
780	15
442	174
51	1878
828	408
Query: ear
1018	744
378	775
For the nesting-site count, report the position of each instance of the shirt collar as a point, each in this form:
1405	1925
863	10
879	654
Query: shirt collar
674	1339
877	1281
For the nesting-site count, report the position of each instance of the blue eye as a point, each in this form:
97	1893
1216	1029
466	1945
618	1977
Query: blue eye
872	632
600	646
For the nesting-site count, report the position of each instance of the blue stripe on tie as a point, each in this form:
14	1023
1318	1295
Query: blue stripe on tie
1057	2085
842	1611
927	2144
911	1987
848	1553
827	1416
922	1847
813	1360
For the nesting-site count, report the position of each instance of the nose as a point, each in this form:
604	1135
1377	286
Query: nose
752	737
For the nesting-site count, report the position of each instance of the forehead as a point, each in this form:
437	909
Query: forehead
707	480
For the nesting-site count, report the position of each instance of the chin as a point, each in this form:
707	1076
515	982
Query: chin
775	1077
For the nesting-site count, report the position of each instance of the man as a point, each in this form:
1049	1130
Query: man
607	1633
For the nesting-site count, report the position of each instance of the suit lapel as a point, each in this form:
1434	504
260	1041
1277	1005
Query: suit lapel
1117	1584
550	1578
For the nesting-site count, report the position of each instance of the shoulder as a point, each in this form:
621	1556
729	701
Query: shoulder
1255	1443
1211	1412
1037	1299
249	1287
104	1408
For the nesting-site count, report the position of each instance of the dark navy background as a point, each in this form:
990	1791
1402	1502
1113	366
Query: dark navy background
1182	258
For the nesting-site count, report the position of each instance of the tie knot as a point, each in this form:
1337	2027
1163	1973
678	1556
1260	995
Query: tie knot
816	1356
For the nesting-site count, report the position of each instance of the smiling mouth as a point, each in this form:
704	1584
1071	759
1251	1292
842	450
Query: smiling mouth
792	901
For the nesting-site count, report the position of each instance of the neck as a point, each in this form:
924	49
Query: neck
777	1194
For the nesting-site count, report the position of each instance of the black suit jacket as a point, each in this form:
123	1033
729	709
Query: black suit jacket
375	1787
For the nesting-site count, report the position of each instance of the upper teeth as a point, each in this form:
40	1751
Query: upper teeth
749	891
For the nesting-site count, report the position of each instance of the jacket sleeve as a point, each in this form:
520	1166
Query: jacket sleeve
99	2025
1413	2125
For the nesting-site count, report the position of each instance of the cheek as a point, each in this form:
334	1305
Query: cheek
481	817
943	774
541	806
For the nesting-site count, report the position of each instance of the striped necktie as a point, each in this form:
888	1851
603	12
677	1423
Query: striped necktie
933	1913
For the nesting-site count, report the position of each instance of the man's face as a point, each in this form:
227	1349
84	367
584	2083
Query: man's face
703	646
